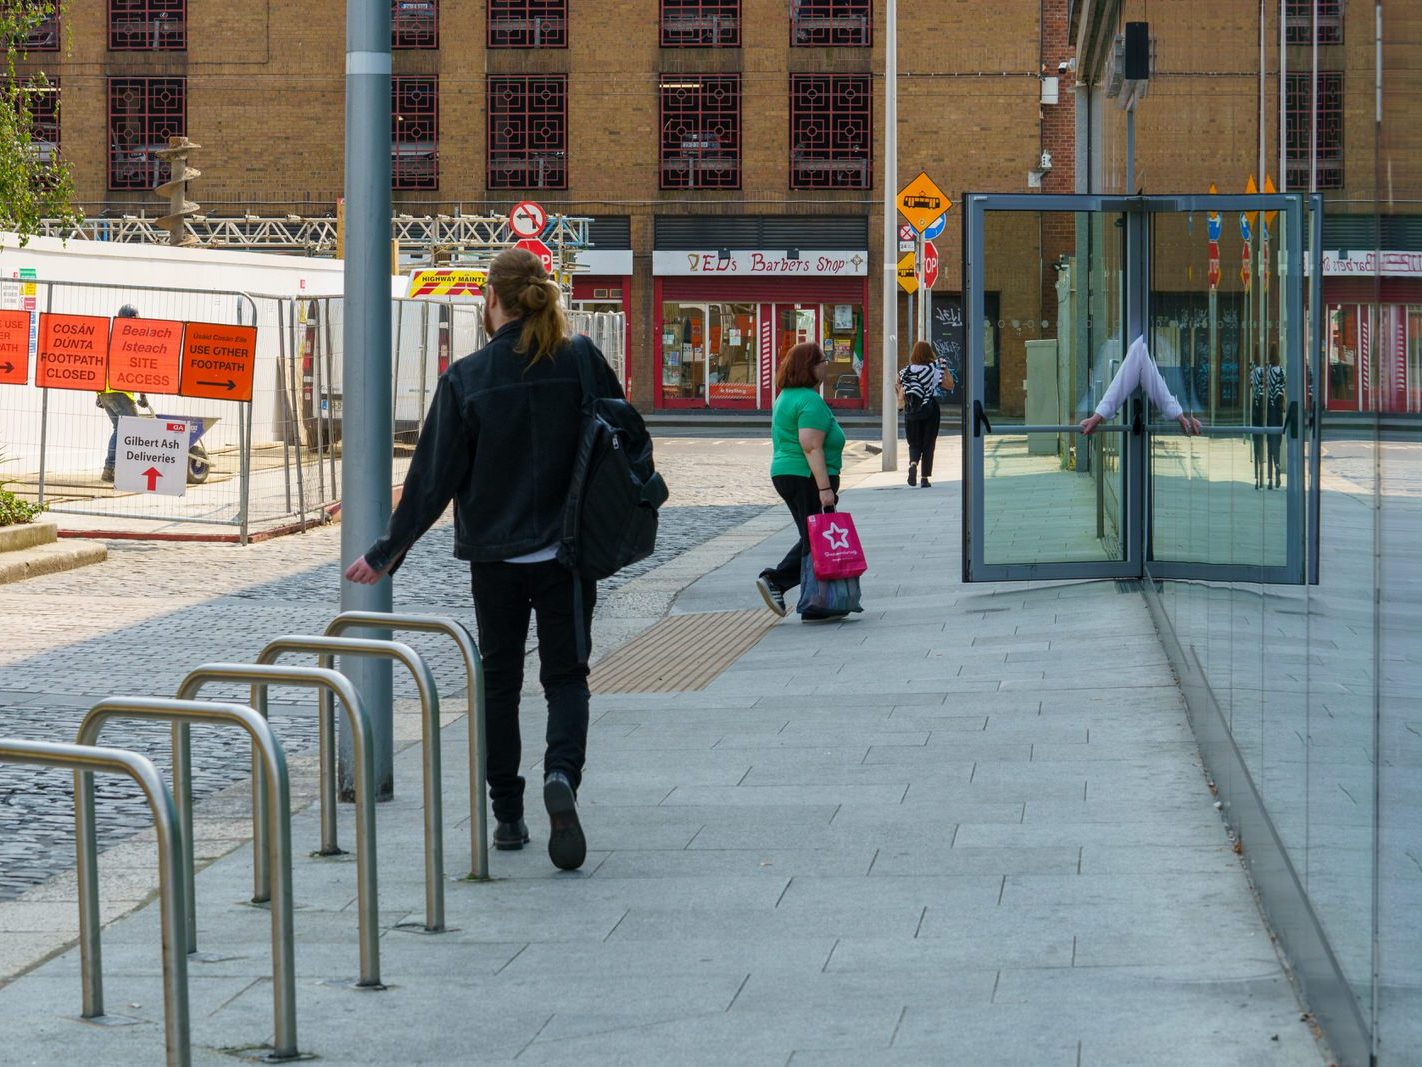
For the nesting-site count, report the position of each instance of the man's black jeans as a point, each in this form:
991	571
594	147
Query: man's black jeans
504	596
803	500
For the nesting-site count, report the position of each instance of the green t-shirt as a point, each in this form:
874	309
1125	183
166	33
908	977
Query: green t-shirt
796	410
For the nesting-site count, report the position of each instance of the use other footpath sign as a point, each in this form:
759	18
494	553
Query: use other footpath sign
73	352
14	347
144	355
218	361
152	456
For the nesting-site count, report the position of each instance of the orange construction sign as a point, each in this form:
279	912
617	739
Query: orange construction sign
14	347
144	355
218	361
447	281
73	352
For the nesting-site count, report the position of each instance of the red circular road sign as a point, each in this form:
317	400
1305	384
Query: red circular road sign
539	249
930	264
527	219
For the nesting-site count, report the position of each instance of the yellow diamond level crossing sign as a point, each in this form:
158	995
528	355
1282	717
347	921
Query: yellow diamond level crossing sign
921	202
908	277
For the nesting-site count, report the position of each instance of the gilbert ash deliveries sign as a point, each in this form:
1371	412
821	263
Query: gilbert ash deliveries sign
152	456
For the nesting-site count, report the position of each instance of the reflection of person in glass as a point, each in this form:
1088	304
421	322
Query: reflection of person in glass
1266	408
1139	371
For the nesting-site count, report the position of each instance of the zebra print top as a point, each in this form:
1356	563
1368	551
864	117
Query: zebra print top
920	380
1275	386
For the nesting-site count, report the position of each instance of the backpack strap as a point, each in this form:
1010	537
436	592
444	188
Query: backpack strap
582	356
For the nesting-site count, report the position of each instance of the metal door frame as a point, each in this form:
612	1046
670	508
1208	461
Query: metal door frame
1135	429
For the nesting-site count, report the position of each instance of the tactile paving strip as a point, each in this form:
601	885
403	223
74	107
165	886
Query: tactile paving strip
682	653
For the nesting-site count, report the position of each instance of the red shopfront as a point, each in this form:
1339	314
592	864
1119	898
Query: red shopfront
720	332
1373	332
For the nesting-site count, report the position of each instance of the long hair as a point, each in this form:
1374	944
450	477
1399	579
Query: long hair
922	353
526	293
797	369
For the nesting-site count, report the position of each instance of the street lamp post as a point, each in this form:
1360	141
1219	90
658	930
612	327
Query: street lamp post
891	244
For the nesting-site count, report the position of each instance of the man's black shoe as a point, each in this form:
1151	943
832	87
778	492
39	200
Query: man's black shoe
510	836
567	847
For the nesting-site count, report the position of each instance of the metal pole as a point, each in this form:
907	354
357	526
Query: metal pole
890	417
366	481
366	879
292	415
84	761
183	797
327	648
267	749
44	401
1131	150
474	696
297	387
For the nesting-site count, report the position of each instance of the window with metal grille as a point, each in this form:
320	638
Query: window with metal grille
143	114
830	131
528	132
148	25
1329	145
1299	18
831	23
528	23
42	101
701	23
40	21
701	131
414	133
414	23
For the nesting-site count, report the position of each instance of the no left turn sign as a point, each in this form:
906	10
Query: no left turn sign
527	219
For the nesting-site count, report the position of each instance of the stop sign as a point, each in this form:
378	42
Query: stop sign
930	264
539	249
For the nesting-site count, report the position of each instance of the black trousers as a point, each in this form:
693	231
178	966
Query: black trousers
923	438
505	594
803	500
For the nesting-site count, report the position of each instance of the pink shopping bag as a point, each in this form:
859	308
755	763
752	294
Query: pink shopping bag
835	550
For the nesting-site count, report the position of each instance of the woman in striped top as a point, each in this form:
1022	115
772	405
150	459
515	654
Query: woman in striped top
1266	394
918	395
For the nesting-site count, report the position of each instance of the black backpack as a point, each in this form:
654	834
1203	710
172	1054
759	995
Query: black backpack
610	517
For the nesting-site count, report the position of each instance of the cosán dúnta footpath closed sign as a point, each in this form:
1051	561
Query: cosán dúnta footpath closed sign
218	361
73	352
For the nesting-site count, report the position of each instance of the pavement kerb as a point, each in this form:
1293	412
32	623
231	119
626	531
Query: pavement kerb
128	872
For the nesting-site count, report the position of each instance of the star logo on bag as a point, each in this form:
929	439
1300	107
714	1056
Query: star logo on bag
836	535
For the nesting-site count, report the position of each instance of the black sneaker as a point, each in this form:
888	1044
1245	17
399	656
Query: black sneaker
510	836
926	483
567	847
913	474
773	597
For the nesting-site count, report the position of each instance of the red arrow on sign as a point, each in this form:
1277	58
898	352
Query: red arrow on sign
930	264
152	474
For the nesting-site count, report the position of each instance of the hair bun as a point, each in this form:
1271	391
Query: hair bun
534	296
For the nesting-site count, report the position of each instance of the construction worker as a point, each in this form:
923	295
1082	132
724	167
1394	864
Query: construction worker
115	403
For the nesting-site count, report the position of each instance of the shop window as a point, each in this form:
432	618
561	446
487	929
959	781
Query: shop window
148	25
143	114
528	132
528	23
1329	146
830	131
414	23
414	133
701	23
40	22
831	23
701	131
1300	16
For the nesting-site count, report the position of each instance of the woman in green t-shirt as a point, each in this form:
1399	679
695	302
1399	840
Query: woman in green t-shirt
804	467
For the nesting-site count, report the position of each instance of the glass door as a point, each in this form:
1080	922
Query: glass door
1045	310
732	381
794	323
1108	320
683	340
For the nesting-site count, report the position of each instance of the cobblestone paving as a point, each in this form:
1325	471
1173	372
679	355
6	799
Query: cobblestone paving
136	624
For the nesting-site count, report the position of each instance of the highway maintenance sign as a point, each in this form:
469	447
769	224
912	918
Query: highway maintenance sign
921	202
14	347
144	355
447	281
218	361
73	352
151	456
